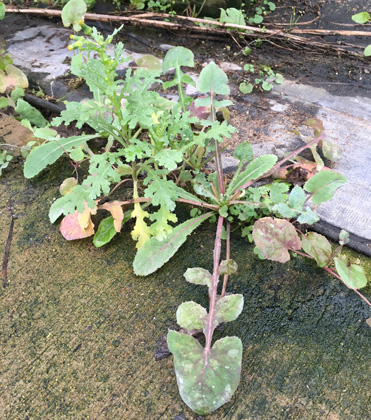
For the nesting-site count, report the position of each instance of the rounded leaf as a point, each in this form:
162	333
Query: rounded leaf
191	315
274	237
353	276
228	308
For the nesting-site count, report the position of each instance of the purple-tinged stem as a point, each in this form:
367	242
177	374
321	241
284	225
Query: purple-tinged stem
227	255
214	285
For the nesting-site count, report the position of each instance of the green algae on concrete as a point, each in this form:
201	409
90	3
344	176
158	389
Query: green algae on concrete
79	330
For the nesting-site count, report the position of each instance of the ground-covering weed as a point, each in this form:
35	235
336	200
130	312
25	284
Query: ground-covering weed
152	142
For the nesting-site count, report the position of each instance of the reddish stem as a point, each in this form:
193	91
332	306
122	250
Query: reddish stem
214	286
227	255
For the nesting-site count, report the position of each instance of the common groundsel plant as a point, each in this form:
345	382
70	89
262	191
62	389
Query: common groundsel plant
161	146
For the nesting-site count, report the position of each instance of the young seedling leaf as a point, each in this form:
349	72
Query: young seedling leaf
343	237
254	170
204	387
243	152
367	51
72	12
198	275
318	247
2	11
246	88
49	152
353	276
275	237
361	18
177	57
228	308
191	315
154	253
323	185
213	79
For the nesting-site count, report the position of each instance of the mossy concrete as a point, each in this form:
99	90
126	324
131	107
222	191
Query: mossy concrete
79	329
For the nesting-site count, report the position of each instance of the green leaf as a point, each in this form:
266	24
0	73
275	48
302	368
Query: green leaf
267	86
228	308
177	57
367	51
106	230
161	191
2	11
4	102
243	152
191	315
204	387
296	198
279	78
199	276
254	170
75	200
318	247
353	276
232	15
246	87
49	152
271	6
169	158
154	253
362	17
343	237
28	112
213	79
72	12
274	237
323	185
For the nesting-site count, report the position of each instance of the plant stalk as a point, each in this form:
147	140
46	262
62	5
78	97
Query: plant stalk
214	286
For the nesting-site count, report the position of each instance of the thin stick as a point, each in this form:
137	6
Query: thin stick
6	252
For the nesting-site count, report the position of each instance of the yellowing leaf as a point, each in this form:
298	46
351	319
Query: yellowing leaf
141	231
71	229
67	185
116	211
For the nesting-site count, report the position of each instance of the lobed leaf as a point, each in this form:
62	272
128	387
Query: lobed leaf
154	253
274	237
206	384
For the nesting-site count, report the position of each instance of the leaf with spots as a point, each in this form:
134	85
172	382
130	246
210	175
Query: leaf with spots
206	382
275	237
